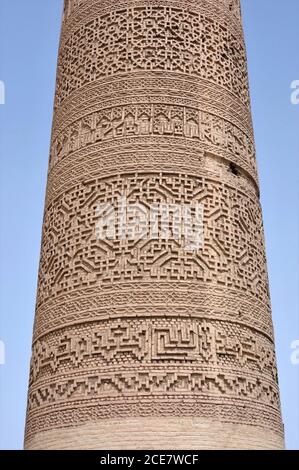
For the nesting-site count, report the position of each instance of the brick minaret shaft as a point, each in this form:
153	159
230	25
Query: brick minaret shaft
146	344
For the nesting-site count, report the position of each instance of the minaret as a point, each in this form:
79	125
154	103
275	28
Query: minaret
147	343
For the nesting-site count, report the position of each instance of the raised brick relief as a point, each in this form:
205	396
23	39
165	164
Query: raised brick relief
152	104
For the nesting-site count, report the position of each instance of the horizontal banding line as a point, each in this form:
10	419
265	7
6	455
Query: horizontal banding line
84	88
140	412
55	191
153	92
161	306
110	103
178	288
243	172
179	316
156	136
158	90
185	166
117	143
74	39
248	159
230	417
152	370
125	173
180	367
156	365
143	150
42	311
141	396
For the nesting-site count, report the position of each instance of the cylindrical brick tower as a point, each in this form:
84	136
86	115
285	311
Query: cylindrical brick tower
145	343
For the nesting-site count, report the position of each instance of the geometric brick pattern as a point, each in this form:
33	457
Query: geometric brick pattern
152	103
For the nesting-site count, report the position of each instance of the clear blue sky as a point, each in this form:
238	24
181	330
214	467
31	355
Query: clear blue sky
29	35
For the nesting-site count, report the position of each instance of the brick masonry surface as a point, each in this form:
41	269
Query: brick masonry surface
144	343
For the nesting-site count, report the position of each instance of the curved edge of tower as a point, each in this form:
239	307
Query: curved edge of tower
153	343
